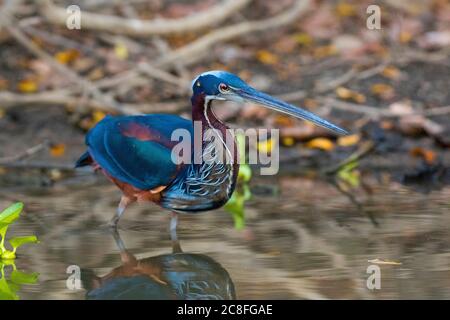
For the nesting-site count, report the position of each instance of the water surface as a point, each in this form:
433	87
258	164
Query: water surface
307	241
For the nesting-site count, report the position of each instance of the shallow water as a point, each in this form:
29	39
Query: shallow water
307	241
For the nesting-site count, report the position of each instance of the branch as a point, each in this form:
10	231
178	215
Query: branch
194	51
143	28
65	97
25	154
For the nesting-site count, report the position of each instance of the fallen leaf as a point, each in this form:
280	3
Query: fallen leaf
310	103
346	141
96	74
324	51
27	86
320	143
57	150
283	121
386	262
345	9
288	141
382	90
387	125
428	155
67	56
266	57
303	39
391	72
405	37
265	146
348	94
121	51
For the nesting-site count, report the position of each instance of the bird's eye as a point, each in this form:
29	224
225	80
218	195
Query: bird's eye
223	88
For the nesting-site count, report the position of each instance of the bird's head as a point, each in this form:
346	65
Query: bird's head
222	85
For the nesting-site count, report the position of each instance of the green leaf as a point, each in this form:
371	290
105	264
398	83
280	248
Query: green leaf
8	255
11	214
6	292
350	174
240	139
236	206
245	173
20	277
18	241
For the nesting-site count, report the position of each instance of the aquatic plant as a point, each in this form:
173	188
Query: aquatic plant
8	217
236	204
9	286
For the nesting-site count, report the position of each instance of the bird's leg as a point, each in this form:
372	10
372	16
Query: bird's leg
124	202
126	257
173	232
173	226
118	240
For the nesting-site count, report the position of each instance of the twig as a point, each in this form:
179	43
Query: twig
25	154
64	97
439	111
145	28
196	50
107	102
362	152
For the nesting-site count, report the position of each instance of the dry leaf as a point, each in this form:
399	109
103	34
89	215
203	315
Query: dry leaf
391	72
67	56
310	103
303	39
283	121
382	90
265	146
348	94
320	143
57	150
288	141
345	9
346	141
405	37
324	51
27	86
428	155
96	74
266	57
121	51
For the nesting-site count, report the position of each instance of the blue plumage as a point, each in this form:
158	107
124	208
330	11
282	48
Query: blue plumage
136	149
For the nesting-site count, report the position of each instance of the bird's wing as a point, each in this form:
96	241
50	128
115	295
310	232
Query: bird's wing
137	149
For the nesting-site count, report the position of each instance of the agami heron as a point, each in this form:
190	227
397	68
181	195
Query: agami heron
135	152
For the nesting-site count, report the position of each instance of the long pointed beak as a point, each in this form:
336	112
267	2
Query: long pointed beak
273	103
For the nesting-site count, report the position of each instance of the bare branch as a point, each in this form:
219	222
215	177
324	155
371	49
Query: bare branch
65	97
143	28
194	51
25	154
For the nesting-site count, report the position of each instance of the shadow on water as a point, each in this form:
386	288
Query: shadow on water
176	275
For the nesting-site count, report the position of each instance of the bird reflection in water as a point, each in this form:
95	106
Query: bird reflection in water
185	276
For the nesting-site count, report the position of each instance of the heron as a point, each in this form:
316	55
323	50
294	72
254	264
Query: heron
135	152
